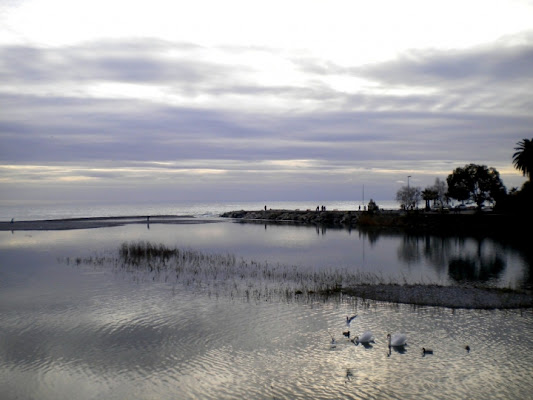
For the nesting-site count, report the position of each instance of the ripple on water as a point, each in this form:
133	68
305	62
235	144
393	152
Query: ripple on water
124	339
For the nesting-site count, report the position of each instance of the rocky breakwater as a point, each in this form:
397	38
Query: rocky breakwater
331	218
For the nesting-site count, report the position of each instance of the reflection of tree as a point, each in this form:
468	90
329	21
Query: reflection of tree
409	251
435	249
528	271
371	234
442	251
479	269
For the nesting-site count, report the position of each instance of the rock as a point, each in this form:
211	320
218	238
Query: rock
333	218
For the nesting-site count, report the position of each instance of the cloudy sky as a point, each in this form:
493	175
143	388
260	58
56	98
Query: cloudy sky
108	100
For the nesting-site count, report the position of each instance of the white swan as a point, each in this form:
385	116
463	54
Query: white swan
366	337
397	340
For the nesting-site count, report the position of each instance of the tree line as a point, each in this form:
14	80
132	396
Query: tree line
477	184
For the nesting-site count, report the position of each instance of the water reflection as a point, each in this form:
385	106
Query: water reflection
480	269
387	256
397	349
366	345
87	331
463	259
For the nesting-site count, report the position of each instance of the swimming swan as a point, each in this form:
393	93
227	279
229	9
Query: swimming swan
397	340
364	338
426	351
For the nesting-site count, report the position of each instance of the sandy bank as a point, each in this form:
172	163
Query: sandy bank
98	222
443	296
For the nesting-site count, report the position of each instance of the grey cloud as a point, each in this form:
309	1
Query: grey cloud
143	63
446	125
507	60
101	130
491	65
130	62
492	77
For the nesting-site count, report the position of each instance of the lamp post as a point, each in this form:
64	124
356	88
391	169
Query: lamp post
409	190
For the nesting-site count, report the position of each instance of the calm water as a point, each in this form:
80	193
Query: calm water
97	331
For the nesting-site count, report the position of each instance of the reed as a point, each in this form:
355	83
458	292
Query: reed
256	281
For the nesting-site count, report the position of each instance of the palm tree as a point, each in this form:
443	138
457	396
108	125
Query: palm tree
523	158
429	194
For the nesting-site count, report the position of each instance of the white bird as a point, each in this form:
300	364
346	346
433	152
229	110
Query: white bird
350	319
366	337
397	340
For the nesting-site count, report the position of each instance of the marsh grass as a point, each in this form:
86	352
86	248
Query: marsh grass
145	261
250	280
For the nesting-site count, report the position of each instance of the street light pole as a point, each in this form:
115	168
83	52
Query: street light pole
409	191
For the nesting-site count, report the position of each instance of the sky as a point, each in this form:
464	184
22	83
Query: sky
180	101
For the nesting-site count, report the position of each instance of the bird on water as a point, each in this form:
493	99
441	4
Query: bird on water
366	337
397	340
426	351
350	319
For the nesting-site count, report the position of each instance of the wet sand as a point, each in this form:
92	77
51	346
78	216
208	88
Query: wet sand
98	222
444	296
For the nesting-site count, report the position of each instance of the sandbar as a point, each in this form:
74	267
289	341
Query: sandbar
99	222
469	297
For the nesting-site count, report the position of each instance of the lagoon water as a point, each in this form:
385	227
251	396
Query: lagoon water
75	324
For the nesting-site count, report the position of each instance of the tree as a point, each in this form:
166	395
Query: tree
429	194
372	206
441	189
408	197
477	183
523	158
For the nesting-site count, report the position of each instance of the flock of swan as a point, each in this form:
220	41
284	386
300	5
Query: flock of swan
397	340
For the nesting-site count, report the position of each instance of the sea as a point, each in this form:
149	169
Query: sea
61	210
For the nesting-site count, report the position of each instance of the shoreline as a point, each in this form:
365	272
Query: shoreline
413	222
99	222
